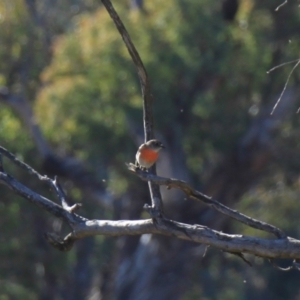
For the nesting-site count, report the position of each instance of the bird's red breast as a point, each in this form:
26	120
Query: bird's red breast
148	155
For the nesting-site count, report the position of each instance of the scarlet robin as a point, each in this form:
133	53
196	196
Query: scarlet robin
148	153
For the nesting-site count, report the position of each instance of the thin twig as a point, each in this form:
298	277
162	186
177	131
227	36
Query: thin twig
157	205
194	194
285	86
59	243
21	164
240	255
278	7
280	268
53	184
63	198
205	251
296	264
282	65
40	200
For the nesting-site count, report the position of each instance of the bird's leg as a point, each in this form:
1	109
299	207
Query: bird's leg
139	166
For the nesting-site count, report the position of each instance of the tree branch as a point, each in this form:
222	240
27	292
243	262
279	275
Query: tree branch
64	212
157	205
39	200
82	227
196	195
279	248
287	248
53	184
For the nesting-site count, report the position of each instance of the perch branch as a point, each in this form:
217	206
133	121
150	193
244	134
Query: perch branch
287	248
278	248
196	195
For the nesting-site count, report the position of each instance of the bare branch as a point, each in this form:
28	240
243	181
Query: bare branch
285	86
57	242
294	266
157	205
82	227
289	268
142	73
241	256
22	165
39	200
282	4
282	65
62	196
53	184
278	248
194	194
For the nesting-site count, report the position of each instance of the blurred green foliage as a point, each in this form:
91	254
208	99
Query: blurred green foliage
191	66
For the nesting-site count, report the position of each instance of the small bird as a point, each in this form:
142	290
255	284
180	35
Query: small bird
147	153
